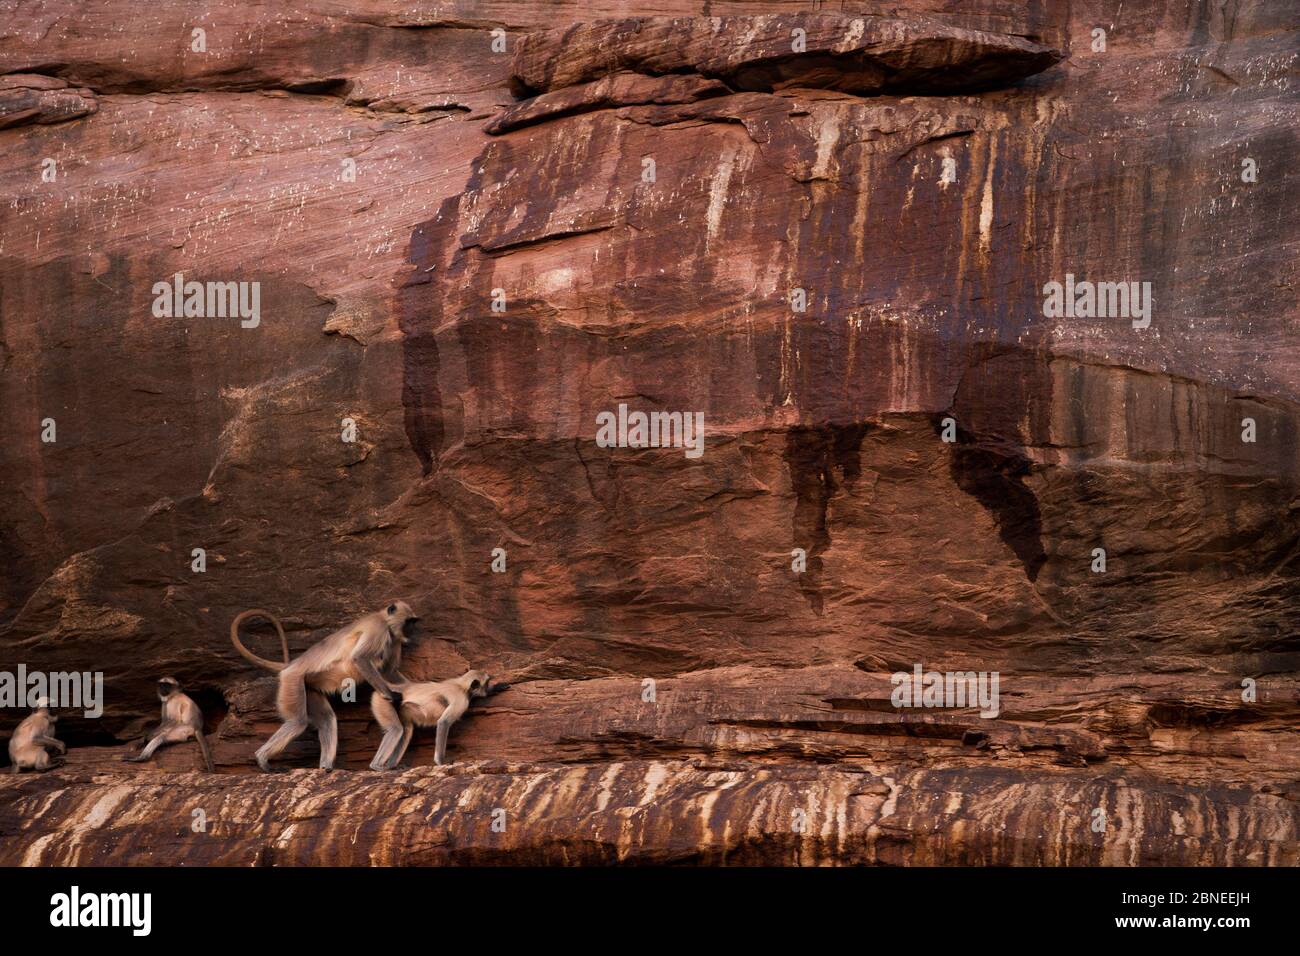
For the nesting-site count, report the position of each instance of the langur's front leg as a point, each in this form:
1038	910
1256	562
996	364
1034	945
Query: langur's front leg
440	748
371	675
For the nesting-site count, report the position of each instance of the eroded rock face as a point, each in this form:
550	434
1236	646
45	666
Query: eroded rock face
864	55
648	812
831	254
28	98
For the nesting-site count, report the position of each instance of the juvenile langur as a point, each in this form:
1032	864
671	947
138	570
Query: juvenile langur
426	703
32	736
181	720
362	651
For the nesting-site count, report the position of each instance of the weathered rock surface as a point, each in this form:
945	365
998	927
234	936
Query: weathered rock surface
920	170
638	811
863	55
28	98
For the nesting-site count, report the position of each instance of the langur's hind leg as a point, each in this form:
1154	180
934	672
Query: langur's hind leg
149	748
322	718
386	714
408	729
291	702
207	754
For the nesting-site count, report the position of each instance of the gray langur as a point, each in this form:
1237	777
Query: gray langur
181	720
362	651
426	703
31	737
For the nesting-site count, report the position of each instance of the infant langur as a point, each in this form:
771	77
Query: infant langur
426	703
27	746
181	720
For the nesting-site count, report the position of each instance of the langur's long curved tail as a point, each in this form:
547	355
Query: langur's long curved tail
249	655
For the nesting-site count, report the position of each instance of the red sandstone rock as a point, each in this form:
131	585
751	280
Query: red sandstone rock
617	89
863	55
28	98
477	429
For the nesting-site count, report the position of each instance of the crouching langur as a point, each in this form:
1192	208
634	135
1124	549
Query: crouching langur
27	747
364	650
426	704
181	720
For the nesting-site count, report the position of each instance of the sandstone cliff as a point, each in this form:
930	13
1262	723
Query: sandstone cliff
645	198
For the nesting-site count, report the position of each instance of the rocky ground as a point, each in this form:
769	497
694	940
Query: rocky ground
644	198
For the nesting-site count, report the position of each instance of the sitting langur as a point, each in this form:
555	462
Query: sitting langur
362	651
27	746
425	703
181	720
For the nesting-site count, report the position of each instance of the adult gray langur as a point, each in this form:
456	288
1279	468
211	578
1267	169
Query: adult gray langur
27	747
181	720
362	651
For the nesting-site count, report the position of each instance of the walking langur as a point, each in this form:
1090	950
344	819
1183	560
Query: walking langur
361	651
181	720
426	703
31	737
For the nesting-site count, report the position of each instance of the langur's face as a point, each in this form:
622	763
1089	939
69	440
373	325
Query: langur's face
166	687
481	684
401	620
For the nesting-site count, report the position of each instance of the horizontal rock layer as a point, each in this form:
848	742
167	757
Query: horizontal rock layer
860	55
41	99
648	812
